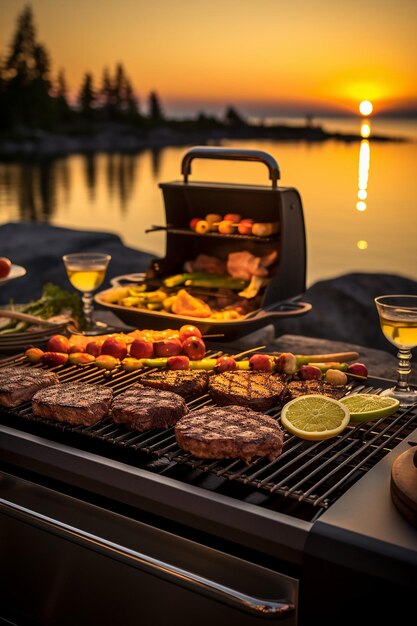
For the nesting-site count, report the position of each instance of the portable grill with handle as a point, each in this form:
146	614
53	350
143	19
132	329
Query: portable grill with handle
138	530
185	200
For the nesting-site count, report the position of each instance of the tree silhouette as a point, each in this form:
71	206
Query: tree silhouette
28	99
27	76
233	118
20	64
87	97
105	96
124	100
155	109
116	99
4	112
61	95
132	105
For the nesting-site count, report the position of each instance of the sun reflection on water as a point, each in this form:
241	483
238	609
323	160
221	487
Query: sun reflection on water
363	175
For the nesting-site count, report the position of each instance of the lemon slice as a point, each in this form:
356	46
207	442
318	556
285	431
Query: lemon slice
315	417
365	406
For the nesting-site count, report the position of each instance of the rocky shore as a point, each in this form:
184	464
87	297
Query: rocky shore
124	139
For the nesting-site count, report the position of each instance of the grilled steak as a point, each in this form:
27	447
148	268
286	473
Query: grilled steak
19	384
298	388
187	383
229	432
257	390
143	408
76	403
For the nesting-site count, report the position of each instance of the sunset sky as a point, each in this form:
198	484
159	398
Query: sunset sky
267	57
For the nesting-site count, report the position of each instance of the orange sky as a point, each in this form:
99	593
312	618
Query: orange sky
264	56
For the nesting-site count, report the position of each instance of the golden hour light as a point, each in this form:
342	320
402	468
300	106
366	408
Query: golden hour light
365	129
361	206
366	107
362	194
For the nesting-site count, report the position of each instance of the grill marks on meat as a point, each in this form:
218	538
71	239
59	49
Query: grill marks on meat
256	390
75	403
187	383
229	432
144	408
19	384
306	387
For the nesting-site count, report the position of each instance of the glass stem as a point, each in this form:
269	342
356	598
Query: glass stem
404	369
87	299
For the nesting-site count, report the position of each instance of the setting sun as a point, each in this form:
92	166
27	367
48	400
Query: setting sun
366	107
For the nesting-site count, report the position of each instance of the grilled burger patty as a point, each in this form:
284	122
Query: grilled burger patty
144	408
19	384
258	390
229	432
298	388
187	383
76	403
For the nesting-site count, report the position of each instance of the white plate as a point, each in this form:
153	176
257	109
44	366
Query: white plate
19	341
16	271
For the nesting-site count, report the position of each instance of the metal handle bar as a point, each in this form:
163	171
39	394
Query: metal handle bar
279	609
138	277
230	154
289	309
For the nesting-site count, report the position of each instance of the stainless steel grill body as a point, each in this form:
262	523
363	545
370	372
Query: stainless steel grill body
320	507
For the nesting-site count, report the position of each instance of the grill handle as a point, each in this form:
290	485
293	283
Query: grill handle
287	309
230	154
278	609
118	281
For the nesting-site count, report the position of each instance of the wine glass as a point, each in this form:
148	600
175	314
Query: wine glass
398	319
86	272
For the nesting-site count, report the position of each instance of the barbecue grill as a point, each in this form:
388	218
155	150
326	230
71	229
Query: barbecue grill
139	531
185	200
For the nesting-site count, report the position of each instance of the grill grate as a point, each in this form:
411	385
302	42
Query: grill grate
305	479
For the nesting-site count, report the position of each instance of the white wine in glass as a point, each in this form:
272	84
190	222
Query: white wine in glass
398	319
86	272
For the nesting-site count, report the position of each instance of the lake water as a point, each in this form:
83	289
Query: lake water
120	194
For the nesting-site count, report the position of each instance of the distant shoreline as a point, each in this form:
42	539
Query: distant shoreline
125	139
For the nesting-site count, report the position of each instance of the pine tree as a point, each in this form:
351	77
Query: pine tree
106	96
64	112
87	97
119	90
20	62
61	86
126	108
4	113
27	76
233	118
132	105
155	109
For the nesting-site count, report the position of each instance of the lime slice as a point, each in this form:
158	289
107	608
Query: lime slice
364	407
315	417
